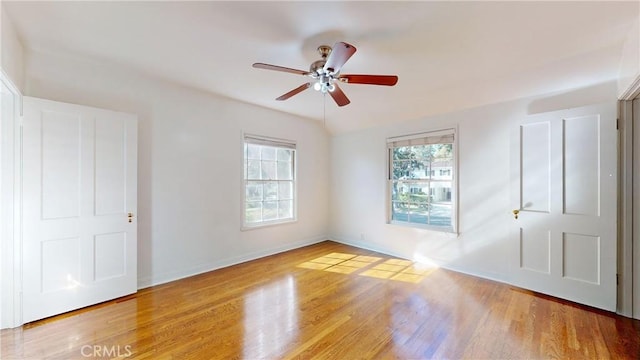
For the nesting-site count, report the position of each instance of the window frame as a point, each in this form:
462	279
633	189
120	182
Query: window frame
453	228
276	143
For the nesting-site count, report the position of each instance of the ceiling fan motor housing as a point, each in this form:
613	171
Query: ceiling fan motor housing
317	66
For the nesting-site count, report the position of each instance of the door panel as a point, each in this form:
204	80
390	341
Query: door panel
536	166
60	136
580	257
581	176
110	167
535	245
79	166
108	260
564	186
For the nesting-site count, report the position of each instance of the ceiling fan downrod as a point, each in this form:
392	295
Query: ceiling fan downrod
324	78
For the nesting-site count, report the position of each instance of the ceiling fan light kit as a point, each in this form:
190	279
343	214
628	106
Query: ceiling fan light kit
326	73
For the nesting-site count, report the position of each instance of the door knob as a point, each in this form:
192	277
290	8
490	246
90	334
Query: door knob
130	217
515	213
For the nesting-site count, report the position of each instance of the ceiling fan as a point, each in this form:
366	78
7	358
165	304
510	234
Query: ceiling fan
326	73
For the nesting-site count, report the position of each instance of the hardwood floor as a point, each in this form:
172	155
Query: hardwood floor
329	301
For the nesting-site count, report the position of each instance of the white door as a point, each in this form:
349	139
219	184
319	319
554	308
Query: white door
564	187
79	185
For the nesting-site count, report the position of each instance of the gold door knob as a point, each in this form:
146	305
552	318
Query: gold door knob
515	213
130	217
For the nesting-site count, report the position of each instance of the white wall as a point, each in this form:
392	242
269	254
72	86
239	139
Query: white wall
190	165
358	185
630	59
11	51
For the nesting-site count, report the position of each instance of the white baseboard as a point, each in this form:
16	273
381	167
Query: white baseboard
145	282
368	246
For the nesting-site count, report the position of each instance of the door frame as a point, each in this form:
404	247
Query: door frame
629	203
11	220
625	209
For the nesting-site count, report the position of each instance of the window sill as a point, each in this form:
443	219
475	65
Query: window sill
266	224
442	229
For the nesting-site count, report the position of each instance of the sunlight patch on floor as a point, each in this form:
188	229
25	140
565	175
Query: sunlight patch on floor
393	269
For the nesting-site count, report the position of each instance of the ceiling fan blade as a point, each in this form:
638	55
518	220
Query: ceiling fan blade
339	55
280	68
388	80
295	91
340	98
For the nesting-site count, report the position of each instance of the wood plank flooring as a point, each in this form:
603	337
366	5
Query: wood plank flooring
329	301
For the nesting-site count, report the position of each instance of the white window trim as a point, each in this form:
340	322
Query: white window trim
272	141
454	181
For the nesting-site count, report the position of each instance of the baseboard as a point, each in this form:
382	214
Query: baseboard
146	282
367	246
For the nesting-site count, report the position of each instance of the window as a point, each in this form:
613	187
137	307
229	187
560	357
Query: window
269	181
421	180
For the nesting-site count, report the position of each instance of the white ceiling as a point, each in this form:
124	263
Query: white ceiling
448	55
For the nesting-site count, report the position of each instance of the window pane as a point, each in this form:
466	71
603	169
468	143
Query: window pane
285	190
268	170
268	153
253	170
410	169
270	210
284	171
419	214
270	191
440	214
285	209
410	192
402	153
401	169
284	155
418	170
254	191
422	152
253	212
400	211
443	169
441	191
400	191
442	151
428	170
253	151
395	191
418	192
